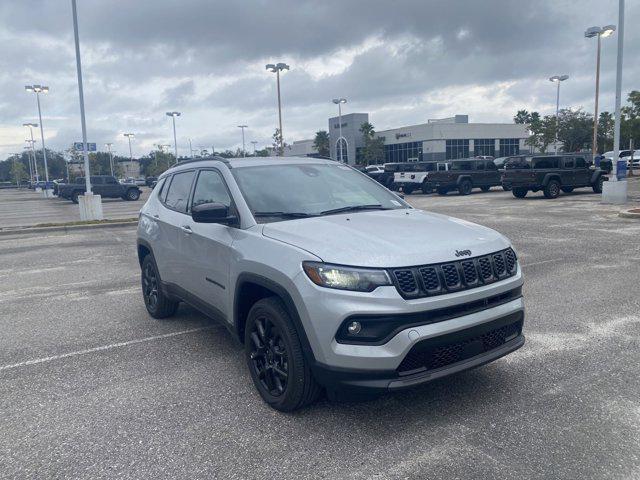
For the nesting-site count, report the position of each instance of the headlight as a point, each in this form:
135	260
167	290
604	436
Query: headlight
346	278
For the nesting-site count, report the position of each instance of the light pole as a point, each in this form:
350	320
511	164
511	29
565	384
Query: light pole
242	127
599	32
339	102
130	136
28	149
277	68
109	145
33	148
558	79
38	89
173	116
254	143
619	191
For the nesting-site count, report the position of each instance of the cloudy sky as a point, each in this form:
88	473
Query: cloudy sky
402	61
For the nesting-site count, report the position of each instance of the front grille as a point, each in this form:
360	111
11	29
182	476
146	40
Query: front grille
421	358
430	280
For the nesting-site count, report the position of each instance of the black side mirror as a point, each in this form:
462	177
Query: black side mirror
212	213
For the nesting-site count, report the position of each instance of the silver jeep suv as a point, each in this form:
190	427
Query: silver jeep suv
329	280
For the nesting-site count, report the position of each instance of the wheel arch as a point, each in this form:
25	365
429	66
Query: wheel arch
551	176
462	178
252	287
144	249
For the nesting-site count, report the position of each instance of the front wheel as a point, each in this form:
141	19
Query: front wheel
426	189
408	190
132	194
552	190
519	192
597	187
274	356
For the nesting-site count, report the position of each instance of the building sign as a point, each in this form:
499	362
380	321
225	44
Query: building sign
91	147
337	125
402	135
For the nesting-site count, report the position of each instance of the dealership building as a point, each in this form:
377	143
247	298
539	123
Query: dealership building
438	139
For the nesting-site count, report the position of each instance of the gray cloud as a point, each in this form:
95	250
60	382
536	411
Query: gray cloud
402	61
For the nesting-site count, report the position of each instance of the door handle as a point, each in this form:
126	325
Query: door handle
186	229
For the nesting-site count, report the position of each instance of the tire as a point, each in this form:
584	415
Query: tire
519	192
552	190
408	190
567	189
132	195
425	190
74	196
158	304
442	191
597	187
465	187
274	357
485	189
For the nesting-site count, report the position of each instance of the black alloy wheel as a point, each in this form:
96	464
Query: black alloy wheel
552	190
150	286
269	357
597	187
465	187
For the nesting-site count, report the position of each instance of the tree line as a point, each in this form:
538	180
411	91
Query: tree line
575	127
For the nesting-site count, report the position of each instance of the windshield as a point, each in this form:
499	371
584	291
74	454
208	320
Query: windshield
281	192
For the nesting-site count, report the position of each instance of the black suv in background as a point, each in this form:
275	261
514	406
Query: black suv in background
551	174
464	175
104	185
386	178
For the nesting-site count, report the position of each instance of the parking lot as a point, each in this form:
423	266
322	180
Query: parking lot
26	207
92	387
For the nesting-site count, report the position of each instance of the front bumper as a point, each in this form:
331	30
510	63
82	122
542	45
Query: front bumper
442	356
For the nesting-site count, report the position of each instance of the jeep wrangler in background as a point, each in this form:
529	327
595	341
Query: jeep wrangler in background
464	175
415	177
104	185
551	174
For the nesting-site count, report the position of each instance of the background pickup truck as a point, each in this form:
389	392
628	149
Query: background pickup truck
103	185
551	174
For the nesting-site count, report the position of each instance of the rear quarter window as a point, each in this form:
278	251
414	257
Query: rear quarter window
545	162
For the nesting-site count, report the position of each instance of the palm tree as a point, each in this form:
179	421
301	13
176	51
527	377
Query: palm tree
321	143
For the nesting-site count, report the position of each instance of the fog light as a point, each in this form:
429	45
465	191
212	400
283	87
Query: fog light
354	328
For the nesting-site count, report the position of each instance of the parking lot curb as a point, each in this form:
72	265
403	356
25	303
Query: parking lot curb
630	213
68	228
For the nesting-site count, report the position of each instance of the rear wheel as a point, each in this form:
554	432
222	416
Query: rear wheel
425	188
552	190
408	189
567	189
158	304
274	356
519	192
597	187
465	187
505	188
74	196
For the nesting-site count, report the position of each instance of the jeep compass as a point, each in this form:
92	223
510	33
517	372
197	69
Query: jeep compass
330	281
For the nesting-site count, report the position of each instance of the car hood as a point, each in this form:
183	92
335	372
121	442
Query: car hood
386	238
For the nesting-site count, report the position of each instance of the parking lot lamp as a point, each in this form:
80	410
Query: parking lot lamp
254	143
277	68
242	127
33	147
130	136
557	79
599	32
38	89
109	145
173	116
29	148
339	102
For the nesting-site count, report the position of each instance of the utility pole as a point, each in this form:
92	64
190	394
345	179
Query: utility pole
109	145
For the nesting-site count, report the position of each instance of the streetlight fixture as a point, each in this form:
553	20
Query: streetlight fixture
29	149
254	143
109	145
242	127
339	102
277	68
38	89
599	32
173	116
558	79
130	136
33	148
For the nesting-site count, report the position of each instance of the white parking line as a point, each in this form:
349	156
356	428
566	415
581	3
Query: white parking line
102	348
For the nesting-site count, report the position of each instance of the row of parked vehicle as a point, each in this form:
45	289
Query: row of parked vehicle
519	174
103	185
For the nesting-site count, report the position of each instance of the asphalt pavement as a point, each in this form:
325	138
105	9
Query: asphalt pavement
92	387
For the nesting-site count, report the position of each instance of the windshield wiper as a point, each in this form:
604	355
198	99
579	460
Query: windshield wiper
354	208
283	214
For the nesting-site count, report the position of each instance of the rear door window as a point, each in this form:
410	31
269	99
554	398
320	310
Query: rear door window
177	197
581	162
546	162
480	165
569	162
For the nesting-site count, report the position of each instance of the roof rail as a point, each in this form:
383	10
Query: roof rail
202	159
